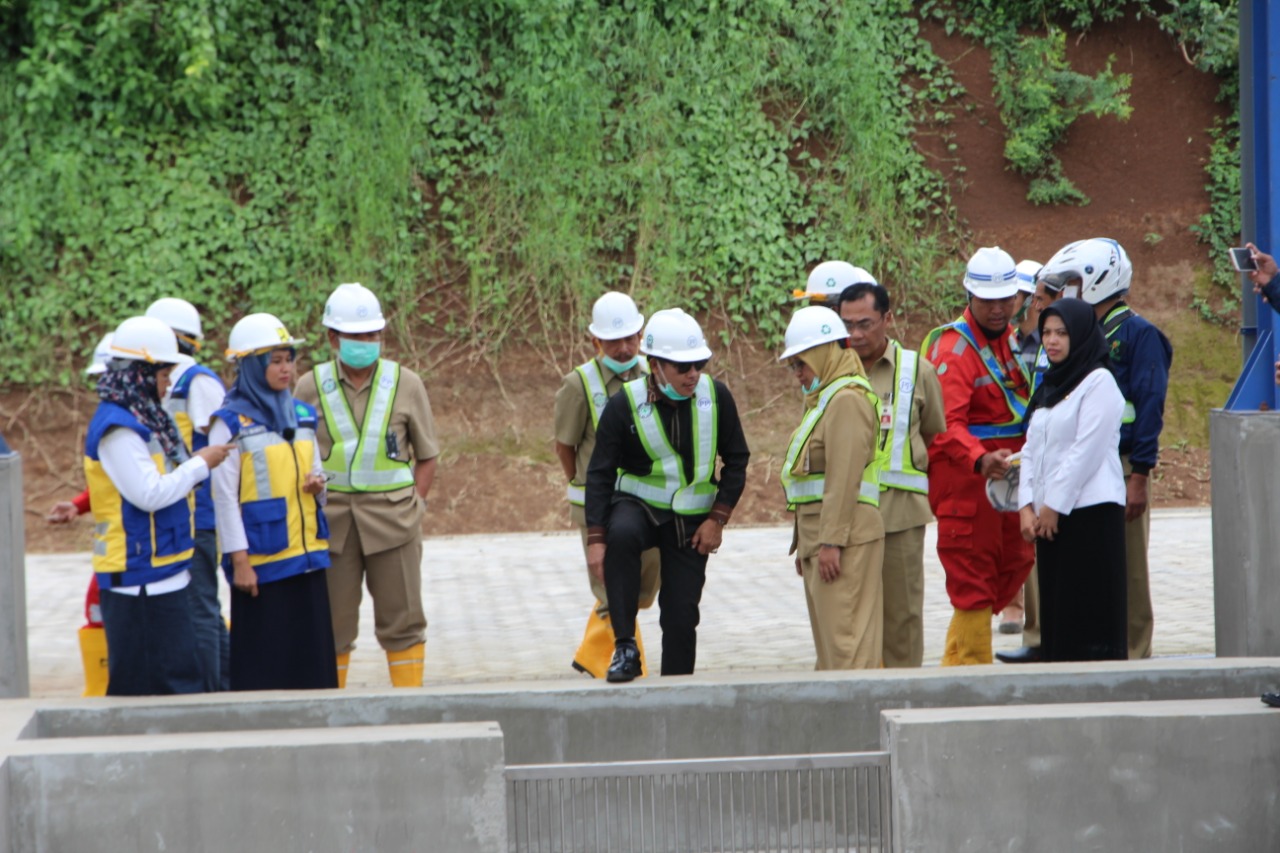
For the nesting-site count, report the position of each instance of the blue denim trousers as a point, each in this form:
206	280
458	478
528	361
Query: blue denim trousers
151	644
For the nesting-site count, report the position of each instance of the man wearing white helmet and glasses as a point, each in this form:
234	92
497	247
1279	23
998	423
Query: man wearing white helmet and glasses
615	333
985	390
140	476
378	445
195	393
652	483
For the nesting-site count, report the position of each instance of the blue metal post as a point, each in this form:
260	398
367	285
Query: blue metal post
1259	195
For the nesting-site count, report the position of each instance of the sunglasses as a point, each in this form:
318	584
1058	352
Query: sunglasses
683	367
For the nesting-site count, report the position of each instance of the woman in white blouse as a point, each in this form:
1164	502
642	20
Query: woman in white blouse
1071	490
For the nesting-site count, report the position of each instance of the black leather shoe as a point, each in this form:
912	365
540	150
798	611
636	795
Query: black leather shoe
1272	699
625	665
1026	654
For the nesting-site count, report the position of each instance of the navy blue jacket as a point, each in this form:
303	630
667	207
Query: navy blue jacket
1140	359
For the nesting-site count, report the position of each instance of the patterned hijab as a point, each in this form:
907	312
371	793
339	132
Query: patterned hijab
132	385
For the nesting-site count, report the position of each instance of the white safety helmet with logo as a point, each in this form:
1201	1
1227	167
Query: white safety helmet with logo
101	355
1003	493
829	279
991	274
811	327
1027	272
179	315
353	309
258	333
1100	263
615	316
673	335
144	339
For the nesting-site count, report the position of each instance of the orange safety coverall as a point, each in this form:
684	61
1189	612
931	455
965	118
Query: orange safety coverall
981	550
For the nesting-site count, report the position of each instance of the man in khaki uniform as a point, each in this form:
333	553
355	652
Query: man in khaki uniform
911	414
378	445
831	480
615	331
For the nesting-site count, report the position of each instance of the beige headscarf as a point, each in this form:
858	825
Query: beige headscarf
830	362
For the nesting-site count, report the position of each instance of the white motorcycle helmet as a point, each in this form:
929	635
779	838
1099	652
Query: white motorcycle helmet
1100	263
1003	493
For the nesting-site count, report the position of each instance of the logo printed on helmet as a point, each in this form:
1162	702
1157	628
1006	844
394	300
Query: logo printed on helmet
617	322
362	311
648	341
692	341
826	330
284	334
831	282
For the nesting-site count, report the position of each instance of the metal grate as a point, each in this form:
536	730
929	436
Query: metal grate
831	802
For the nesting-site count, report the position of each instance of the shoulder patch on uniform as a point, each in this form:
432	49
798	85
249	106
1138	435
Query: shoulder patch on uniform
942	368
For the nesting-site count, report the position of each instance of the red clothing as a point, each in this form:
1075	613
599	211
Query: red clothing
981	550
82	502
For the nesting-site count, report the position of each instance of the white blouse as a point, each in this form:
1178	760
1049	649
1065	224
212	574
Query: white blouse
1072	454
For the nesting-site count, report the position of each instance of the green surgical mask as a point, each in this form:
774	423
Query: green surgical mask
666	388
812	386
358	354
620	366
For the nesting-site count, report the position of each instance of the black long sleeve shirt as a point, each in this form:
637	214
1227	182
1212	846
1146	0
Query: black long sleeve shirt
618	446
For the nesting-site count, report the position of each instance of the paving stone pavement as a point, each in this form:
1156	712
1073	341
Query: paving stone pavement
513	606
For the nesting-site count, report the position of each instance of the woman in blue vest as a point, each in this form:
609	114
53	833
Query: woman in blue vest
140	479
272	531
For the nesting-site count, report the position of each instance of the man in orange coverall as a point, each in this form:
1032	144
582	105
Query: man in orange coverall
985	391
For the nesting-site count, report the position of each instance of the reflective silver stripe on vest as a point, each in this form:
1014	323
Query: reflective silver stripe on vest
256	447
577	495
673	492
907	363
593	382
809	487
342	429
362	471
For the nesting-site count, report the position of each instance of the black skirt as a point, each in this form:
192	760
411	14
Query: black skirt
283	638
1083	610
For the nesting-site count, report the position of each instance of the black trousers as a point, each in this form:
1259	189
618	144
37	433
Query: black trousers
1083	612
684	572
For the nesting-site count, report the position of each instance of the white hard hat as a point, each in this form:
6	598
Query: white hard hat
101	355
991	274
615	316
675	336
144	339
829	279
1003	493
352	308
1027	271
1101	264
258	333
811	327
178	314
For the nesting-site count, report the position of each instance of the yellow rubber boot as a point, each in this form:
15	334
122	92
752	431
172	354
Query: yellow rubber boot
596	652
968	638
93	654
344	661
406	666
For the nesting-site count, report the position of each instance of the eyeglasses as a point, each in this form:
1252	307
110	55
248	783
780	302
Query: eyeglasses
863	326
683	367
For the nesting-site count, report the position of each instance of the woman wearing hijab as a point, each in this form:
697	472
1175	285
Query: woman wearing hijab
140	478
1071	490
271	530
831	482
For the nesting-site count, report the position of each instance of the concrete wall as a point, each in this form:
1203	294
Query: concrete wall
1244	448
698	717
14	672
1186	776
386	788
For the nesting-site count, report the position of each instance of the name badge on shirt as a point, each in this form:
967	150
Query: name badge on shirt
886	416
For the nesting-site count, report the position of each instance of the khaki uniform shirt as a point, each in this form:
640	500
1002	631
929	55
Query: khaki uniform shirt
574	426
385	520
902	510
841	445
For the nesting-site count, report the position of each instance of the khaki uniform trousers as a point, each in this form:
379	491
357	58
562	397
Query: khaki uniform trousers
903	580
394	578
846	615
650	569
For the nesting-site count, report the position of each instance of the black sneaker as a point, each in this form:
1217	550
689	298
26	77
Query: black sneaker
1272	699
625	665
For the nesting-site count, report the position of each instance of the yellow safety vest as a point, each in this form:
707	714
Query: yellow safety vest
358	460
808	488
665	486
898	469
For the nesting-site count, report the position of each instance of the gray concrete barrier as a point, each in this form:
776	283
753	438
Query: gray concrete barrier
385	788
15	677
1244	447
1182	775
674	718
